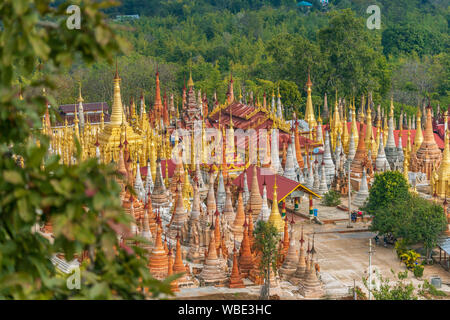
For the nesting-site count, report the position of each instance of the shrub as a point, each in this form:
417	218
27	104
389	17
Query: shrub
414	219
418	270
410	259
400	290
429	291
360	295
331	199
388	187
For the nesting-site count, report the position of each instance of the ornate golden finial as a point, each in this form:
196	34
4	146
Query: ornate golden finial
309	83
116	76
102	119
275	185
275	217
231	118
20	96
319	119
80	98
190	81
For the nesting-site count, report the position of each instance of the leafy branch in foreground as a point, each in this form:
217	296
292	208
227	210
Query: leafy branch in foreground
81	201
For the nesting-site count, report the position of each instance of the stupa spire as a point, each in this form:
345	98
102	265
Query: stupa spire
235	278
275	216
309	113
117	113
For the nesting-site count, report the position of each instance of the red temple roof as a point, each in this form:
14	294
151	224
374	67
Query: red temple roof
285	186
437	137
171	168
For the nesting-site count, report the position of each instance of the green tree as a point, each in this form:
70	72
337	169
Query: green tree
290	96
391	218
353	54
293	56
415	220
387	188
81	201
332	198
266	242
407	38
428	221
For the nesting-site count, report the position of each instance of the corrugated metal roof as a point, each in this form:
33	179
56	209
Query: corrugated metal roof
444	244
437	138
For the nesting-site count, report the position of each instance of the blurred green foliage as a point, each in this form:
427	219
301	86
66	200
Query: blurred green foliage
80	201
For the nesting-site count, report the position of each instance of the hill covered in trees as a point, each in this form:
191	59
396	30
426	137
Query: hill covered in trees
272	43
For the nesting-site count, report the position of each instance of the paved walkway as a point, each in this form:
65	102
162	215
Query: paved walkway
342	254
324	212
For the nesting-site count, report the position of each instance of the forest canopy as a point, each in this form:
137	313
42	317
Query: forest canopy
268	44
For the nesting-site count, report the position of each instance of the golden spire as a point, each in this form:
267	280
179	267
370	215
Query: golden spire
231	91
187	190
75	122
443	173
335	125
309	113
80	98
345	136
369	131
133	109
418	139
319	119
354	128
20	93
231	118
166	178
275	216
190	81
102	119
405	169
117	113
